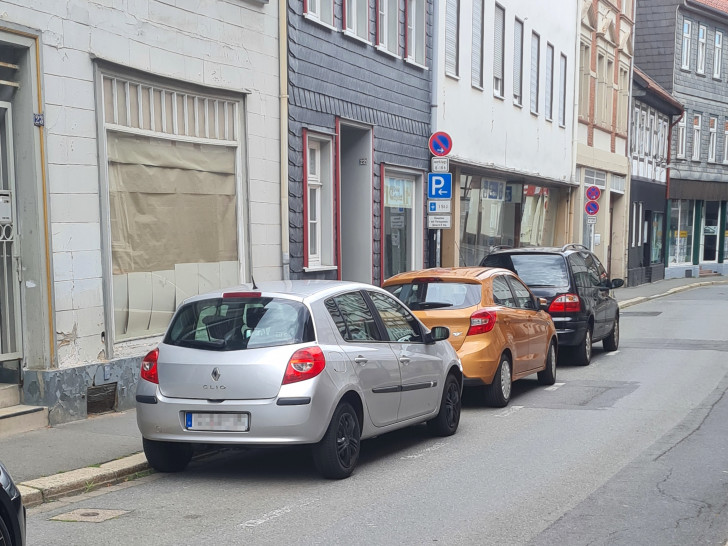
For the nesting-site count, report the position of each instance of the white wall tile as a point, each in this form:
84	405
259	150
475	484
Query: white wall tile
82	151
71	237
62	266
73	178
86	264
88	293
76	36
63	293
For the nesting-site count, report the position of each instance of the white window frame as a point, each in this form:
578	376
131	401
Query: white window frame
452	45
681	137
315	9
352	23
384	19
416	21
639	225
702	40
696	137
549	87
518	28
322	183
476	63
686	38
718	55
584	78
634	224
562	90
499	62
713	142
725	143
535	72
417	255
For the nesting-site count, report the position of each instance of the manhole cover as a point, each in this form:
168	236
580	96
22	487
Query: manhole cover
90	515
640	313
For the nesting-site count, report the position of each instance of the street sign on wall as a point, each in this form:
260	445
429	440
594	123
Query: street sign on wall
591	208
593	193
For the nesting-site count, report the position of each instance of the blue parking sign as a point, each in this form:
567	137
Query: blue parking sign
439	185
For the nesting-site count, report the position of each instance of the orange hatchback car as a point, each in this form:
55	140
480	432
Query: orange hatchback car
497	326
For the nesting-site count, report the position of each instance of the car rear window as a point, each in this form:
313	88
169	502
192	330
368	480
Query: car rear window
419	296
240	323
536	270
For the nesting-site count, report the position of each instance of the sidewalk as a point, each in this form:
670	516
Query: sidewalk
78	456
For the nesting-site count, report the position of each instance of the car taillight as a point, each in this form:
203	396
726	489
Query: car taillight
304	364
149	367
481	322
565	303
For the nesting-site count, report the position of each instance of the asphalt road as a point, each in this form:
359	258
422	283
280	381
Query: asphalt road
630	450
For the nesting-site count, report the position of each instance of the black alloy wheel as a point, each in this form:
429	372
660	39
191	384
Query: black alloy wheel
547	376
583	352
448	418
5	539
611	342
336	455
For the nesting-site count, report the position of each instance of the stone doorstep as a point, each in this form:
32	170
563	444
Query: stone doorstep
21	418
41	490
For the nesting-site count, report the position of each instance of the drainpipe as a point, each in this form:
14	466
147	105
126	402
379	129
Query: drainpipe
283	77
434	237
571	233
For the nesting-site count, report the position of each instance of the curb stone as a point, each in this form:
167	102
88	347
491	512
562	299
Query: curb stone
677	289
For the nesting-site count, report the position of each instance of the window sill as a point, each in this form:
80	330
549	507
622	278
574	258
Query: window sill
414	63
453	76
385	51
717	78
477	87
356	37
499	97
701	74
319	22
534	113
518	104
313	269
685	68
550	120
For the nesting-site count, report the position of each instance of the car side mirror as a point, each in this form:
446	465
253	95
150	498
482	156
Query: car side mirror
543	304
617	283
439	333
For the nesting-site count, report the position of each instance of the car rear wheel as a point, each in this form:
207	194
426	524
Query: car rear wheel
167	456
548	375
336	455
498	393
4	534
448	418
583	352
611	342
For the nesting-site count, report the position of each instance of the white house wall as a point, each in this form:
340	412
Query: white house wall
494	132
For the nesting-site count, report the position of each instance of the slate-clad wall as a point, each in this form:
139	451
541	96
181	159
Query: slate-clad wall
332	75
656	32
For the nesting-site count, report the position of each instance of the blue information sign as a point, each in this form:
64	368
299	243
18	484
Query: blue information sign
439	185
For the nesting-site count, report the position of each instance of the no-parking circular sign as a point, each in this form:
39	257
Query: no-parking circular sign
440	144
593	193
591	208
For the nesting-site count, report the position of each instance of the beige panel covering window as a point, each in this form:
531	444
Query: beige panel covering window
171	203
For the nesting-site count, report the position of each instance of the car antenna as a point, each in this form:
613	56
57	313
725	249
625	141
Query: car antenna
253	279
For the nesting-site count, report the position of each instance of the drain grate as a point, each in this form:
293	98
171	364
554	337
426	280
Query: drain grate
640	313
90	515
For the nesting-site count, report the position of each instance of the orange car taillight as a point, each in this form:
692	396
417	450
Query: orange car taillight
149	367
565	303
304	364
481	322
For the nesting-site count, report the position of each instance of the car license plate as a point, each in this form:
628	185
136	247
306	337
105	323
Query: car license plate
218	422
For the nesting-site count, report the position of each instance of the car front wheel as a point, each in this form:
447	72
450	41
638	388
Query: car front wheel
547	376
611	342
498	393
583	353
4	533
336	455
167	456
448	418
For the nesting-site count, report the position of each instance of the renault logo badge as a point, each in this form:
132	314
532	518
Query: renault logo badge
215	374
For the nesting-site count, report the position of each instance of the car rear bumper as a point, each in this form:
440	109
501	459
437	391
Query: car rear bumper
570	332
284	420
480	358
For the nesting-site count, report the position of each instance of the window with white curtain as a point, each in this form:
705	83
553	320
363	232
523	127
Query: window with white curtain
477	48
686	37
416	20
452	37
499	32
357	18
549	90
718	55
388	26
713	142
535	71
323	10
562	93
319	201
702	35
518	62
696	137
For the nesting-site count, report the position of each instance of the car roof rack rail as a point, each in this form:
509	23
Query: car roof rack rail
575	246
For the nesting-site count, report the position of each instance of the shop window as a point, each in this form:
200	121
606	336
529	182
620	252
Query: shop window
401	245
658	222
415	40
321	10
319	202
680	236
171	164
481	226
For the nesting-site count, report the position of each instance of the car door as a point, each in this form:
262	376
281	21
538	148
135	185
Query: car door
375	364
537	326
512	321
420	367
597	277
608	305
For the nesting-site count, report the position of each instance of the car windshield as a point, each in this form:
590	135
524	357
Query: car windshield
419	296
536	270
240	323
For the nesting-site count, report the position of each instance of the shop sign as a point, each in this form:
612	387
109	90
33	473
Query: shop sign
398	193
439	221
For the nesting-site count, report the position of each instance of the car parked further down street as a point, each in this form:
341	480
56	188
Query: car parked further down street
577	290
12	512
496	324
326	363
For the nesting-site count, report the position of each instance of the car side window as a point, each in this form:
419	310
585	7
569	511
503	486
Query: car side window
353	317
524	299
594	278
603	277
401	326
502	294
579	270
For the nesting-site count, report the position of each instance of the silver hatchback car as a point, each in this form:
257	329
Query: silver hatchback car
326	363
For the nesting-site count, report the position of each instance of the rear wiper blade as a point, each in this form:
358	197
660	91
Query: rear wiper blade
217	344
433	304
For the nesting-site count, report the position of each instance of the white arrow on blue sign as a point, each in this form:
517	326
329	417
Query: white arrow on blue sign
439	185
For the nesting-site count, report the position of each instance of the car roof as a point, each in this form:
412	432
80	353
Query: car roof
566	249
447	273
291	289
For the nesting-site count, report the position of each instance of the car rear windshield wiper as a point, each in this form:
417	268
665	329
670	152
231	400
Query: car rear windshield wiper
216	345
433	304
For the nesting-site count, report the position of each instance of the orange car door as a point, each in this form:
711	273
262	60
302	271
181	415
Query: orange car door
512	321
536	329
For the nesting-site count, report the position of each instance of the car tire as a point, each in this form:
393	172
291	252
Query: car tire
336	455
611	342
583	352
5	538
548	375
167	456
448	418
498	393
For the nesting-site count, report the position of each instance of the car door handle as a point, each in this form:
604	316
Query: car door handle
404	360
361	360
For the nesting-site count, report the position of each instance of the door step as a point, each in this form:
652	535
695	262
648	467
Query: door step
9	395
708	273
19	418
